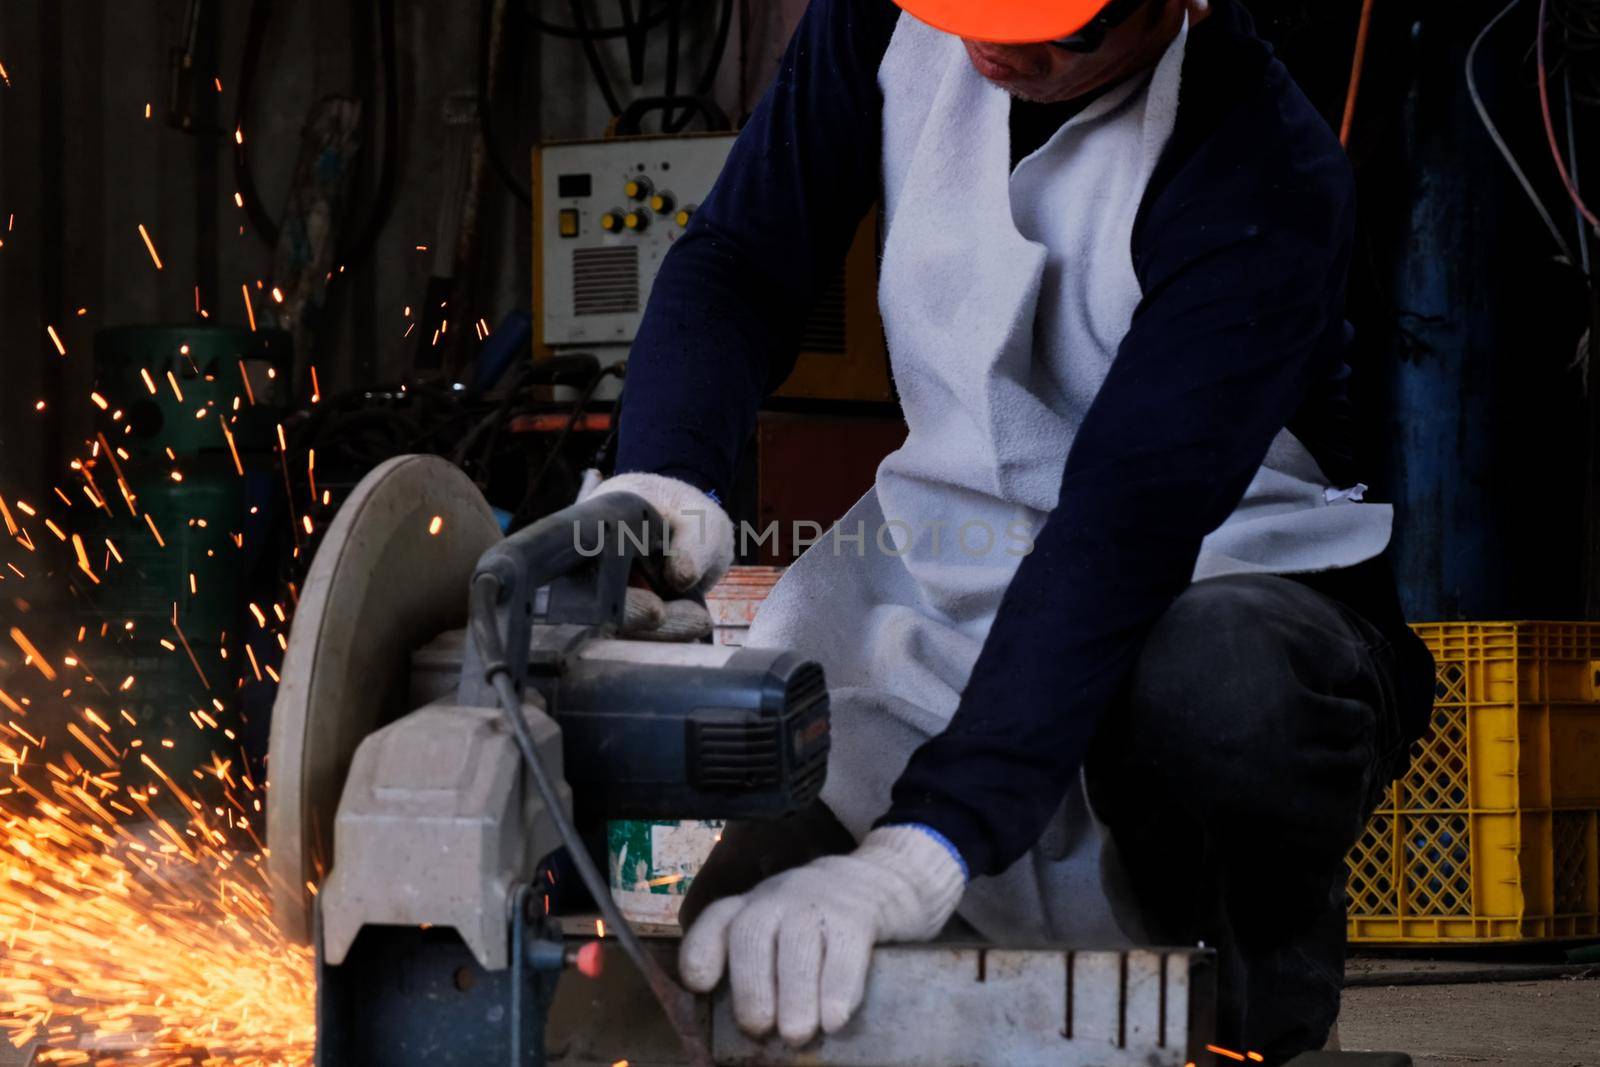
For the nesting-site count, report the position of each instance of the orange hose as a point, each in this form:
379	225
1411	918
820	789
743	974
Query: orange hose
1356	68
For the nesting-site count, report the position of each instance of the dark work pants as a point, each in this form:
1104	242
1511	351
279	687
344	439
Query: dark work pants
1262	725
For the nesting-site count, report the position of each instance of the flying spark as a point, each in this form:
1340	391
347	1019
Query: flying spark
151	245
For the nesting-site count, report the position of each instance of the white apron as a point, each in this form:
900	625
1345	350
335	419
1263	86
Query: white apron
1005	297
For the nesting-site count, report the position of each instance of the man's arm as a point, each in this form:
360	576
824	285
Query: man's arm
728	307
1244	291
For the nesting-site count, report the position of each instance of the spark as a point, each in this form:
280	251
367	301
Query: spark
249	308
175	390
147	110
149	382
99	401
4	77
83	559
1227	1053
435	525
233	449
600	928
40	664
55	339
151	245
238	135
277	295
250	394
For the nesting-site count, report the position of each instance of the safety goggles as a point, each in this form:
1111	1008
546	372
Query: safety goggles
1093	34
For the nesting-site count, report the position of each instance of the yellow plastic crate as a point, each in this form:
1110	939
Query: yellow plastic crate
1493	834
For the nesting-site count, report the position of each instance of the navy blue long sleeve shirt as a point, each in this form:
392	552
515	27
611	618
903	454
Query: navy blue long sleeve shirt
1241	247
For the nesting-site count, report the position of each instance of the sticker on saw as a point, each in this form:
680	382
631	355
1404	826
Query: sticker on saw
653	864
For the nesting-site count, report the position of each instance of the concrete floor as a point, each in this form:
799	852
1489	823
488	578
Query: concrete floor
1549	1023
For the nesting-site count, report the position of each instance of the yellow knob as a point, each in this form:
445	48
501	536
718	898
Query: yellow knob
661	203
636	220
637	188
610	221
684	216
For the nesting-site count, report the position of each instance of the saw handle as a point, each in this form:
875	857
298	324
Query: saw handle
601	541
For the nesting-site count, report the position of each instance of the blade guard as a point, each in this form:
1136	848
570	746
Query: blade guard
382	584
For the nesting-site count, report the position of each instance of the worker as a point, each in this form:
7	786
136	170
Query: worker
1114	652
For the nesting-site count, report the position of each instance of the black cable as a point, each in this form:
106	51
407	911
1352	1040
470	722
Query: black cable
675	1002
255	32
580	406
636	40
354	249
596	65
602	33
493	148
708	76
674	45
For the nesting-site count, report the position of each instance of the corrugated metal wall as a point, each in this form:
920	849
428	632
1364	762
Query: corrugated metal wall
81	168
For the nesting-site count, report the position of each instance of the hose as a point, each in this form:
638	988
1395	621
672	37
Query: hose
676	1003
267	228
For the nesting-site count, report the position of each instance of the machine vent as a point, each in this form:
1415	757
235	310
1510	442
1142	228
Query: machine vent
825	329
806	686
735	755
605	281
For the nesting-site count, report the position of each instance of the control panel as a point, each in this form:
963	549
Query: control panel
606	214
611	210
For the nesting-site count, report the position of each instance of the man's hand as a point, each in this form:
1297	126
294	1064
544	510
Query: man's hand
797	947
701	543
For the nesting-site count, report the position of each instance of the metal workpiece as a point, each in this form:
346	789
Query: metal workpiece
936	1005
968	1006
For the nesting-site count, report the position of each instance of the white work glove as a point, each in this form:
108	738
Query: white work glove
701	546
797	947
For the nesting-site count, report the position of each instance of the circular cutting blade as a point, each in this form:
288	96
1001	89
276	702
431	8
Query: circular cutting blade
392	573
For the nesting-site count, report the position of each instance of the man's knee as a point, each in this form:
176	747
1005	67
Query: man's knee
1219	669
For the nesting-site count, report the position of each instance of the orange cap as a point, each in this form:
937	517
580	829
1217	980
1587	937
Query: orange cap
1005	21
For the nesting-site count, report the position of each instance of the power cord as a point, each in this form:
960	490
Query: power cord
675	1001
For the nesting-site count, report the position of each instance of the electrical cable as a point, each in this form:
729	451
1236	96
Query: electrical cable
708	76
1363	31
579	406
1572	161
1500	142
675	1002
670	86
1580	28
492	145
265	226
355	248
603	33
636	41
1549	122
596	64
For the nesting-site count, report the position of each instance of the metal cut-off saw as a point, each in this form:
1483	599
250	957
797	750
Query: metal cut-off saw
456	706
